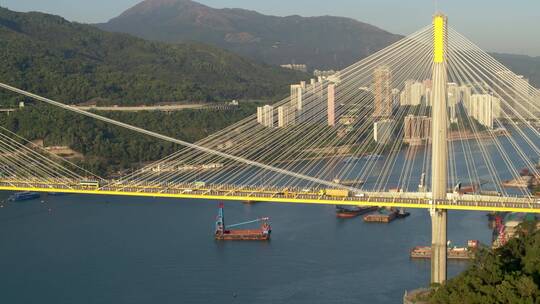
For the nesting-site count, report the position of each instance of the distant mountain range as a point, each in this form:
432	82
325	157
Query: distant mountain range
320	42
75	63
324	42
521	64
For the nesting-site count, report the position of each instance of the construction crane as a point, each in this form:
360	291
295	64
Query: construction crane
249	222
224	232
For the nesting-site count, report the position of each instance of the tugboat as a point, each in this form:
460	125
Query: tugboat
402	213
226	234
23	196
343	211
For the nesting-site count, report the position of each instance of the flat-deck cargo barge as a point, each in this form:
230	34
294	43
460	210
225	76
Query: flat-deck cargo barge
380	217
226	234
385	216
453	253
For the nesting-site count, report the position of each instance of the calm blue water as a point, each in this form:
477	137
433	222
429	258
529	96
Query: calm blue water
87	249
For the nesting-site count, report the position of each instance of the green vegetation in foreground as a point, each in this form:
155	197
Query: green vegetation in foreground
108	148
510	274
75	63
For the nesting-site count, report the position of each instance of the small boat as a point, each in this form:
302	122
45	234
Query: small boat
55	193
402	213
343	211
23	196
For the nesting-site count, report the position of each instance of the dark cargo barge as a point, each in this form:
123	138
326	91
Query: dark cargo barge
353	211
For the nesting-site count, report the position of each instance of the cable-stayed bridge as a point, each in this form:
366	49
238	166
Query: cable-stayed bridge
400	128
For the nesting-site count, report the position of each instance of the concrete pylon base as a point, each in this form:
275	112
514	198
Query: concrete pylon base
438	246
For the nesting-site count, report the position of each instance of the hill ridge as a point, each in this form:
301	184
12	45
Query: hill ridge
335	42
40	51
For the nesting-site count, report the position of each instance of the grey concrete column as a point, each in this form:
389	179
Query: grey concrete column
438	246
439	150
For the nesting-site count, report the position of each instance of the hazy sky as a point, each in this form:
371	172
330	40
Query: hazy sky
511	26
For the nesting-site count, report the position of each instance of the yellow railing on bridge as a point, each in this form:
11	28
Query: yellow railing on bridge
276	195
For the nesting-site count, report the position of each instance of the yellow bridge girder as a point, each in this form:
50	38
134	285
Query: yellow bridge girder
291	198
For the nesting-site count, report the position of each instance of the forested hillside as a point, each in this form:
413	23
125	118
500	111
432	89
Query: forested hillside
75	63
108	148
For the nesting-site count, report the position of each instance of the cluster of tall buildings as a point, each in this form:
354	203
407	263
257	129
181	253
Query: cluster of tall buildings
516	93
484	108
415	93
306	100
417	129
265	115
316	99
280	117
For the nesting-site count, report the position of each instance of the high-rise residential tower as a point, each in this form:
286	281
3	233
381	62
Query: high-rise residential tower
382	91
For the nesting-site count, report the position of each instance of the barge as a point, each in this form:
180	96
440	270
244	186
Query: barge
353	211
225	233
453	253
386	216
380	217
23	196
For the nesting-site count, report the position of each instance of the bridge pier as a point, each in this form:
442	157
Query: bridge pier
438	245
439	150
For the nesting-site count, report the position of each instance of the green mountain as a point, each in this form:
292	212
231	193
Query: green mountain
324	42
75	63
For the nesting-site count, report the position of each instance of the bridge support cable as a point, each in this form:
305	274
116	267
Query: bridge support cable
485	145
253	141
524	137
167	138
24	163
365	129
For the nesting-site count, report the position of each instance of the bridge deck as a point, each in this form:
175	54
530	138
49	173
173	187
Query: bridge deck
235	193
